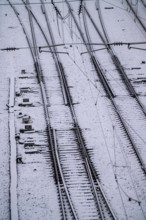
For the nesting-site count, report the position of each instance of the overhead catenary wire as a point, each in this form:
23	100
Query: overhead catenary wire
38	3
95	44
78	67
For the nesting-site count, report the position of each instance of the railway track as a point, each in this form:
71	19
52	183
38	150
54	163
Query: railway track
107	88
59	178
128	135
117	63
63	153
88	164
114	57
103	206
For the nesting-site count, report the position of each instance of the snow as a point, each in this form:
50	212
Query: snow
111	152
13	155
5	149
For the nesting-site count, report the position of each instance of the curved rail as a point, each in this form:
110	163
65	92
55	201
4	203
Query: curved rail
89	167
125	78
98	69
114	57
117	110
88	164
50	48
57	165
59	178
96	65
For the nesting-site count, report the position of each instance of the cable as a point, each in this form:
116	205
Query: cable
38	3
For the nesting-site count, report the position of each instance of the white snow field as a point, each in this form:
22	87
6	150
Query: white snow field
72	116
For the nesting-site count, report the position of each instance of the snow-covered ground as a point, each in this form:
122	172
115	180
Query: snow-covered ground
111	152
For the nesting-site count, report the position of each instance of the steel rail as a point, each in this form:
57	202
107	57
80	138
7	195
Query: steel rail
50	47
89	40
23	28
63	181
96	64
120	116
111	95
70	104
88	164
90	170
33	57
114	57
126	80
45	104
54	52
57	164
141	23
112	100
67	92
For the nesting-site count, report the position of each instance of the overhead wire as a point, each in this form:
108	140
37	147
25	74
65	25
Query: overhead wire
38	3
82	72
96	88
100	92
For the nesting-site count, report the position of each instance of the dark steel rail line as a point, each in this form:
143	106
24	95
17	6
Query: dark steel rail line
59	178
57	164
55	54
96	65
114	57
80	7
50	48
117	110
89	168
61	67
91	172
98	186
126	80
141	23
114	103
